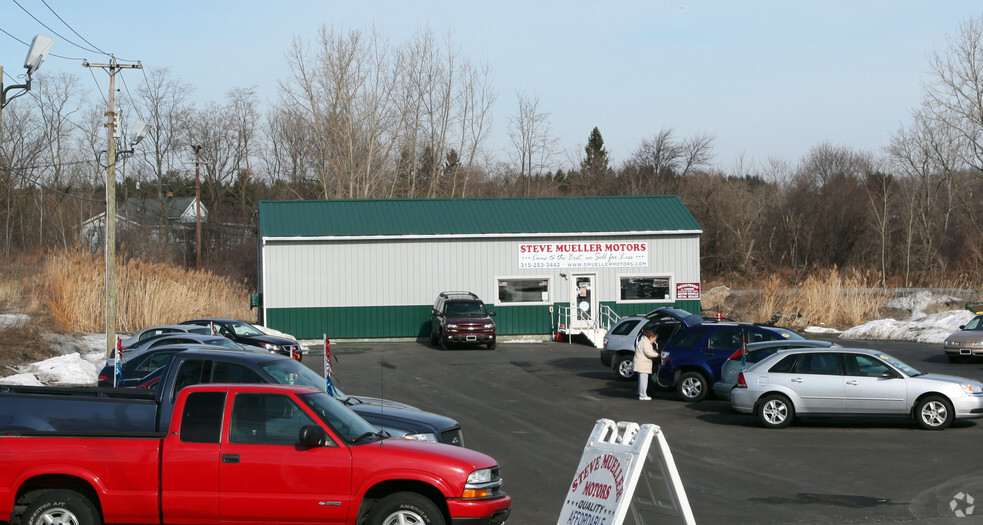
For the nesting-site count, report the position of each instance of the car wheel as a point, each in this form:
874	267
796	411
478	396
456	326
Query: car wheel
623	367
434	340
955	358
491	345
775	411
934	413
692	387
443	342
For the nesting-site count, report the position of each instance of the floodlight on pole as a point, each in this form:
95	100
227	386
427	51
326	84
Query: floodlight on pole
40	47
140	132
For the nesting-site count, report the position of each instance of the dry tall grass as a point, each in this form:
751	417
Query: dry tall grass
72	284
829	299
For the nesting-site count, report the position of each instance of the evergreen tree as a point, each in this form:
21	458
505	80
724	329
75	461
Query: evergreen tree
595	156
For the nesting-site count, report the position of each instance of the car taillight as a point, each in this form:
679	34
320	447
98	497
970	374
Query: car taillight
665	356
737	354
741	383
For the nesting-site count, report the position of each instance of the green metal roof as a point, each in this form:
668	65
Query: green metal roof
425	217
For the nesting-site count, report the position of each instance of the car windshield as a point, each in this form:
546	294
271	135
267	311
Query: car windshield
900	365
975	324
466	308
349	425
223	343
241	328
290	372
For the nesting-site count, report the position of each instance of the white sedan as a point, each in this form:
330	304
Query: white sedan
851	382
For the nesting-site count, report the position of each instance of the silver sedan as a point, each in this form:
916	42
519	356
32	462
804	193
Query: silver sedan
852	382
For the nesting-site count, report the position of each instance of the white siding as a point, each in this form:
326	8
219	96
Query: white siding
301	273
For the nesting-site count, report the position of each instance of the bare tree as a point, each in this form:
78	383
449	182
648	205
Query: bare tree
533	143
166	106
661	159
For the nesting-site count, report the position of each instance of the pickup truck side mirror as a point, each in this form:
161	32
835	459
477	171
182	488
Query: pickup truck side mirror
491	314
312	436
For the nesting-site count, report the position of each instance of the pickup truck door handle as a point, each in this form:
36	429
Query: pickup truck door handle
797	380
230	458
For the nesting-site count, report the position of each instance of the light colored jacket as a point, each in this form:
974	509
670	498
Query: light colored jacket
645	352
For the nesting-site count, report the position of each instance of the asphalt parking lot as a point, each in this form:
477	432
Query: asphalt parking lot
532	406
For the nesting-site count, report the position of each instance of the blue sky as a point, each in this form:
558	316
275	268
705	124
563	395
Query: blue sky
770	79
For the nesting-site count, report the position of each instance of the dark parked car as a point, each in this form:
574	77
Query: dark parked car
160	331
461	317
620	340
187	339
137	368
692	360
247	334
210	366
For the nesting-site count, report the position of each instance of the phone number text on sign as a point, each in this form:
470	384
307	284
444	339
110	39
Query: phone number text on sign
583	255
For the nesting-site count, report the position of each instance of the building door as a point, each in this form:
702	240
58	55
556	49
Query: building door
584	302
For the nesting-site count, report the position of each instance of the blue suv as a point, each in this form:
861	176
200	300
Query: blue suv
691	361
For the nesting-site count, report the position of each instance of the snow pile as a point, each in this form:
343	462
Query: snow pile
921	327
13	320
68	369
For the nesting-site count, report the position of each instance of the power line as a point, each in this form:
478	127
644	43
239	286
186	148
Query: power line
59	35
4	31
70	27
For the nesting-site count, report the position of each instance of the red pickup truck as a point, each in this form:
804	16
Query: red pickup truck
251	453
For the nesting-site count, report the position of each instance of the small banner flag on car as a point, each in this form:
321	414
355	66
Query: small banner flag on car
743	350
214	328
328	370
118	367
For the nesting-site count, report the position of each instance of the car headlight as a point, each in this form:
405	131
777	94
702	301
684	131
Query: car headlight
422	436
490	326
271	347
452	325
484	483
972	388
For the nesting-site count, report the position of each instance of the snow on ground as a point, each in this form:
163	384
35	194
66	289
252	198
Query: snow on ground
82	357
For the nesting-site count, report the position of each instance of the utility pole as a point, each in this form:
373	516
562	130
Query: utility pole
197	149
113	67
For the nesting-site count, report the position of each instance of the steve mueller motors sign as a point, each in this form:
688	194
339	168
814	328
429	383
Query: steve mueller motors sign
584	255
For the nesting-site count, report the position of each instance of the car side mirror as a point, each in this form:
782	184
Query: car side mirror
491	314
962	327
312	436
890	375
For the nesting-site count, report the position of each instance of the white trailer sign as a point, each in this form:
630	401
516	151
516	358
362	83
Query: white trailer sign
623	479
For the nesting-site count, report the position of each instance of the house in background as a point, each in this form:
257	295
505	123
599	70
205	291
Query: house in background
148	219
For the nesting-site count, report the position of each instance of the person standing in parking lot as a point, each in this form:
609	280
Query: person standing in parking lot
646	349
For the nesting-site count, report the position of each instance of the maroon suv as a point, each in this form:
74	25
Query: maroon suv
461	317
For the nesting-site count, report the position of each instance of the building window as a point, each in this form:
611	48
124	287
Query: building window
526	290
645	288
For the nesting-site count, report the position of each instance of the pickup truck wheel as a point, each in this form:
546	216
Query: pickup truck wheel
491	345
405	508
61	507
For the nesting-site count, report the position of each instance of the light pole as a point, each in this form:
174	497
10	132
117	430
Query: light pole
113	67
197	149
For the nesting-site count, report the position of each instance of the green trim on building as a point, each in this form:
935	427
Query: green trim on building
391	322
531	216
